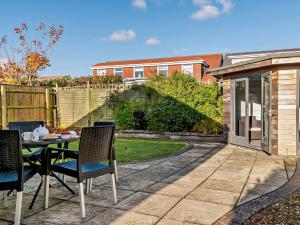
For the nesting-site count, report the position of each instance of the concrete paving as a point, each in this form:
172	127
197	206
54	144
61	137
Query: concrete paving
196	187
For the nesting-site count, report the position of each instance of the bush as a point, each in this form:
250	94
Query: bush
208	127
167	114
176	103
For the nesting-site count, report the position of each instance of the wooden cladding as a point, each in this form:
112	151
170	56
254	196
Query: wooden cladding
286	112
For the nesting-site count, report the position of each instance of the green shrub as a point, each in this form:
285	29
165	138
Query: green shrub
175	103
167	114
208	126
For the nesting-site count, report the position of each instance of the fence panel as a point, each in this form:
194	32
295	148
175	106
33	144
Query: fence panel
24	103
82	106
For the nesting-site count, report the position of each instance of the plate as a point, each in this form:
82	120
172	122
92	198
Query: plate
49	138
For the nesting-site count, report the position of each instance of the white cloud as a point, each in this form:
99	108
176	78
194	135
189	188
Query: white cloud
201	2
121	35
140	4
209	9
206	12
153	41
227	5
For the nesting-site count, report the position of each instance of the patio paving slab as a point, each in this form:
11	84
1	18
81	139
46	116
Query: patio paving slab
120	217
223	185
102	196
252	191
197	212
67	213
174	222
175	163
214	196
150	204
9	212
173	190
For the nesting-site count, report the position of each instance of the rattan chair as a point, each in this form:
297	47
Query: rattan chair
102	124
25	126
12	173
95	147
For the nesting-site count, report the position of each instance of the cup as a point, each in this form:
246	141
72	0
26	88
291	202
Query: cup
27	136
73	134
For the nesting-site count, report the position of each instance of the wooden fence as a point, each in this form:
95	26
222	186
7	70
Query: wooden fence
24	103
83	105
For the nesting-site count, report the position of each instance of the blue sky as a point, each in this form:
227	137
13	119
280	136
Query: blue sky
100	30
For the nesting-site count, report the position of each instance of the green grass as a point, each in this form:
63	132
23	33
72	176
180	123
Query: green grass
132	149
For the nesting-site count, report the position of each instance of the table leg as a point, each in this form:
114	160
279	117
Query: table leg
36	194
46	191
5	199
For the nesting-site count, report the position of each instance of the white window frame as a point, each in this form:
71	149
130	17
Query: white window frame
165	68
101	72
138	69
121	72
189	71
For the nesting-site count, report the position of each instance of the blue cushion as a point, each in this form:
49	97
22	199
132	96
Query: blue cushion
86	168
13	176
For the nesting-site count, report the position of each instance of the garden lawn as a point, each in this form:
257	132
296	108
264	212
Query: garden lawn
132	149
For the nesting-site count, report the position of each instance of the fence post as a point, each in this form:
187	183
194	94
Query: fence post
3	107
88	103
55	109
48	113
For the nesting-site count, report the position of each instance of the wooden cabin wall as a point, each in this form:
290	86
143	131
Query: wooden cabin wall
284	113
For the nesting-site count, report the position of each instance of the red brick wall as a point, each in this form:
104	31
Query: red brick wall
150	71
197	71
174	68
127	72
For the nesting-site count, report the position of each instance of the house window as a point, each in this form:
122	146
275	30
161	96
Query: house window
187	68
138	72
118	72
101	72
163	70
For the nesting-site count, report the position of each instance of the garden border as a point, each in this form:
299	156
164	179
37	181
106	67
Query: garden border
178	136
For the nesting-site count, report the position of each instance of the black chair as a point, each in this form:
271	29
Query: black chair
12	173
25	126
102	124
95	147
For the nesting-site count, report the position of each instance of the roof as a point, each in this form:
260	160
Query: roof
232	58
260	62
213	60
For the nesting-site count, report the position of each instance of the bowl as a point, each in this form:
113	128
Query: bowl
65	136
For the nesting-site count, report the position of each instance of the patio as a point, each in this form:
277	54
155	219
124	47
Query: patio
196	187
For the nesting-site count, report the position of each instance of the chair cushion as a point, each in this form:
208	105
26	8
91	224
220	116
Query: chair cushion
86	168
6	177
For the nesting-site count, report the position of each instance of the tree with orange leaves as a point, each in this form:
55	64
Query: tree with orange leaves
30	56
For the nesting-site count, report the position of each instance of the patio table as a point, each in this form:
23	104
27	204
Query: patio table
45	161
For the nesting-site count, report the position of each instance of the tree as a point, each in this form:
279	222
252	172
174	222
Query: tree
30	55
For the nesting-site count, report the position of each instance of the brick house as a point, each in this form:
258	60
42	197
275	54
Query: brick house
141	69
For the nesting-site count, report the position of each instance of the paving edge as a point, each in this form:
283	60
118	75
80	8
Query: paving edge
242	213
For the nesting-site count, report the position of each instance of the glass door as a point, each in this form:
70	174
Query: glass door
266	113
240	112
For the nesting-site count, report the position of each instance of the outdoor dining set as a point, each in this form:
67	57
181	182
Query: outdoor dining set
27	149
